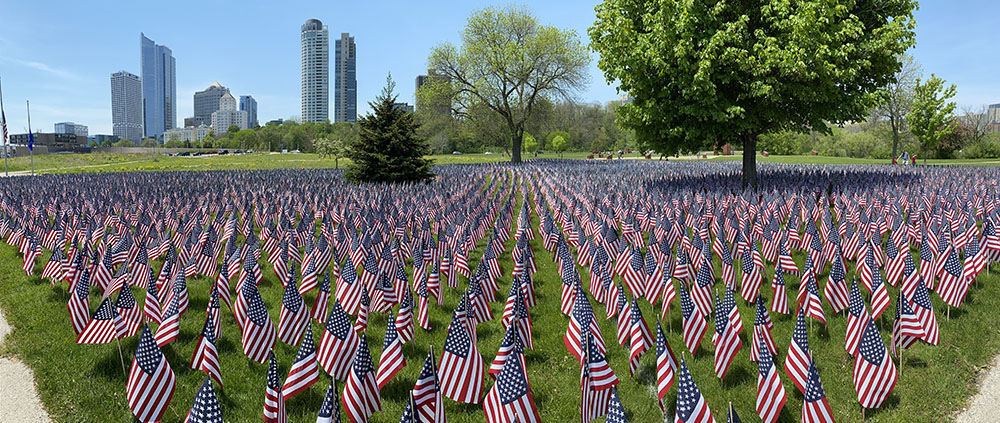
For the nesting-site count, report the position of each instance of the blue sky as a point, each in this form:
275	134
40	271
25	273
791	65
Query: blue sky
60	54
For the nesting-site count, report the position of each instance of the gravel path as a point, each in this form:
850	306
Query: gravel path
983	406
17	388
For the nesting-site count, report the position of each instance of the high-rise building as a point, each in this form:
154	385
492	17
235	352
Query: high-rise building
346	75
206	102
228	115
159	88
249	105
315	71
71	128
126	106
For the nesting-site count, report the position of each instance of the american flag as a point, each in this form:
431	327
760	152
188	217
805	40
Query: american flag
640	337
150	382
701	290
361	323
906	327
691	405
206	355
294	314
771	395
274	401
815	407
151	305
797	362
857	314
169	330
779	304
808	297
582	321
694	325
752	275
510	398
461	371
206	406
361	398
427	392
836	286
726	339
404	320
511	342
920	301
874	374
338	343
310	278
105	326
348	288
304	371
329	411
762	326
79	304
392	360
322	301
634	273
975	259
595	392
895	260
666	365
952	287
616	412
128	308
258	331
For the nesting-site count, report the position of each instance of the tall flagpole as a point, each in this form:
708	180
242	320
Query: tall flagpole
2	116
31	146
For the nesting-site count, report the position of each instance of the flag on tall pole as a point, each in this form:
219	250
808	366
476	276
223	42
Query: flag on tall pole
3	126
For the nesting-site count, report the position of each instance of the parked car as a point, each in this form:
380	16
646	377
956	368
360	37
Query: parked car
237	151
196	154
183	154
223	152
456	153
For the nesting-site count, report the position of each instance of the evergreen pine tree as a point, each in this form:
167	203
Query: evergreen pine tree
388	148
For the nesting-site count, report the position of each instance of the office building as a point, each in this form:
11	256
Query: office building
345	74
99	139
228	115
70	128
207	102
315	71
126	106
159	88
194	133
249	105
53	142
406	107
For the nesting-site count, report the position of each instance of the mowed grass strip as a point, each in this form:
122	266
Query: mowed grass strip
85	383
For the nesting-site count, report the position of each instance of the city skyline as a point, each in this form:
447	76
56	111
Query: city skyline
52	56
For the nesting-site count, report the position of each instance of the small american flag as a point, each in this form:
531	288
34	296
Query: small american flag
294	315
105	326
666	365
206	406
616	412
815	407
694	325
461	370
640	337
206	355
361	398
874	374
797	362
258	332
150	382
274	401
427	392
392	360
771	395
329	411
338	343
510	398
304	372
691	405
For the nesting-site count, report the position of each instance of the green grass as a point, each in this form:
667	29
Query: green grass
85	383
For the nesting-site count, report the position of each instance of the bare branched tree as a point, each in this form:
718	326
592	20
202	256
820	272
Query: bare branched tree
897	99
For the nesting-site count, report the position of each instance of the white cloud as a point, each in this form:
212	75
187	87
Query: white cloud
60	73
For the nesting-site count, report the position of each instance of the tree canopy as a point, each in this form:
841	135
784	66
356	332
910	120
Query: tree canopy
507	64
712	72
388	148
930	117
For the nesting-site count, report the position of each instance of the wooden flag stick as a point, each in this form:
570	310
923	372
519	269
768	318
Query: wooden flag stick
121	356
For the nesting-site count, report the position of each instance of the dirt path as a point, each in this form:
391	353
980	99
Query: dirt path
983	406
17	388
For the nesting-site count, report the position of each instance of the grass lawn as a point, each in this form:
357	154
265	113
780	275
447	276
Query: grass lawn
85	383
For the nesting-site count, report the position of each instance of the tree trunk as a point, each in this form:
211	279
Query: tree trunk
750	161
515	147
895	138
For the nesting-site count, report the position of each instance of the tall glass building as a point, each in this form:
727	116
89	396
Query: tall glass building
159	88
346	75
126	106
315	72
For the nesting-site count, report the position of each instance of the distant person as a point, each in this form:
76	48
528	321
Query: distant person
906	157
913	160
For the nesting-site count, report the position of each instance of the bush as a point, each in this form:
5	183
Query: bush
987	148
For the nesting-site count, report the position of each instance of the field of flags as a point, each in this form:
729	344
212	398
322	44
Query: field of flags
387	303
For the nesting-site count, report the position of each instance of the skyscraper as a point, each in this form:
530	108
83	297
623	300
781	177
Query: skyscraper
126	106
315	71
346	75
206	102
249	105
159	88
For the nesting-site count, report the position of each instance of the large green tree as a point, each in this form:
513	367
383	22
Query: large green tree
930	117
896	98
508	62
709	72
388	148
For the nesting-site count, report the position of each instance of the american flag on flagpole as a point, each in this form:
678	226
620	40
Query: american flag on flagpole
691	404
304	372
427	392
274	400
206	406
771	395
461	370
510	398
361	397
